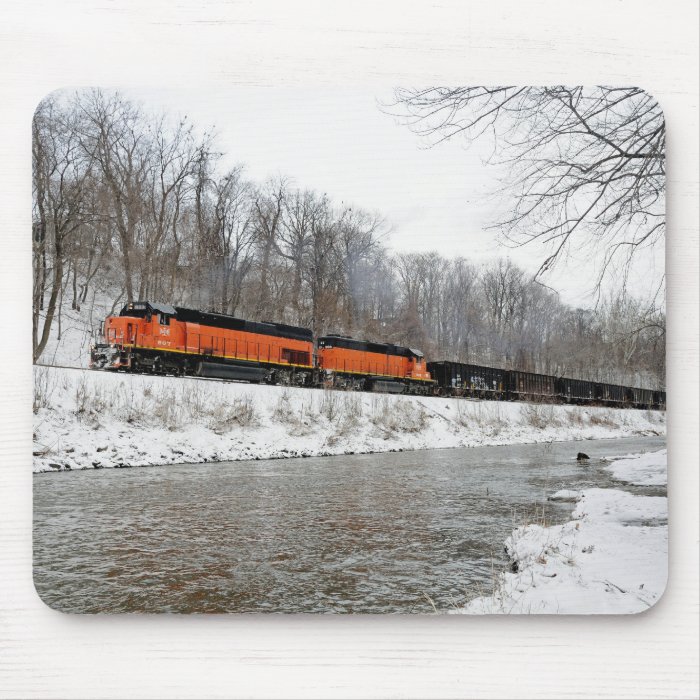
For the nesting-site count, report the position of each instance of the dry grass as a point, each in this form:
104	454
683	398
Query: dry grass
44	386
489	419
330	407
574	416
298	419
464	418
90	401
541	416
139	402
604	418
226	416
396	415
167	410
348	415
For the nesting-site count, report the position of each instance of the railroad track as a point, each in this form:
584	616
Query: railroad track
140	374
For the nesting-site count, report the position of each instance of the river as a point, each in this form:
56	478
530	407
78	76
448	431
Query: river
381	533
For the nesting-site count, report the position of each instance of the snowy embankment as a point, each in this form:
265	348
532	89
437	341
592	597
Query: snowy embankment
72	330
86	419
611	558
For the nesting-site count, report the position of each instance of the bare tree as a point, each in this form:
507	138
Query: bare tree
60	175
235	236
301	209
91	243
268	210
585	166
174	155
461	310
115	135
502	285
323	267
359	237
410	268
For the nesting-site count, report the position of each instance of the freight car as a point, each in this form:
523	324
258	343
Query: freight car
611	395
659	400
354	364
641	398
527	386
165	339
459	379
575	391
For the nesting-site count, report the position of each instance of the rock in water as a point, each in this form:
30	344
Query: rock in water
582	457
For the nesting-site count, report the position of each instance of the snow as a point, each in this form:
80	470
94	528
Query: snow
86	419
565	496
72	346
644	470
612	557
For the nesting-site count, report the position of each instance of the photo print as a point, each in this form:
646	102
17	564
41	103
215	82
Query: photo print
349	351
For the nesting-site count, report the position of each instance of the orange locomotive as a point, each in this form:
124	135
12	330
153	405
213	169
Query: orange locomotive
356	364
165	339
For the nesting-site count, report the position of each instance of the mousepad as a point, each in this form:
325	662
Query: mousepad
349	351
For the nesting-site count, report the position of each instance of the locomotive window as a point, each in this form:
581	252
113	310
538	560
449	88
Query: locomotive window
164	320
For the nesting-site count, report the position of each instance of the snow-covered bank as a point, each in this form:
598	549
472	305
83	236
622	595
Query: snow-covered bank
87	419
611	558
642	470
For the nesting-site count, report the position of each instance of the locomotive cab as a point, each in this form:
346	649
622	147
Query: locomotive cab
416	365
137	321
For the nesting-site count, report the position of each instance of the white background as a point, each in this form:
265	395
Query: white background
221	45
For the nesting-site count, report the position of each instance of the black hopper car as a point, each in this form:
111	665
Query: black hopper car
460	379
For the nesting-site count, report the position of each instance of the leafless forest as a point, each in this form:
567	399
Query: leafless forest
141	205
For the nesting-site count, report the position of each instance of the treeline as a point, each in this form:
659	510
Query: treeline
142	202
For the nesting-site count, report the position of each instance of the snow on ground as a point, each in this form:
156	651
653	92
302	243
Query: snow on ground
69	340
612	557
644	470
86	419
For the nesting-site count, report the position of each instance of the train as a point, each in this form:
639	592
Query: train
164	339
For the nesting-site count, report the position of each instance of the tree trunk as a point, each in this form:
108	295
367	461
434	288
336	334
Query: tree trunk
51	309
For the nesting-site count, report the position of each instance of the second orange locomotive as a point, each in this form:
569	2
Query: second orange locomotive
363	365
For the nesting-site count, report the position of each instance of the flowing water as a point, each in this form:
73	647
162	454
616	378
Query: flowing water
380	533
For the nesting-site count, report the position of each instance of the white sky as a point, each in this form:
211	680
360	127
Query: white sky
340	142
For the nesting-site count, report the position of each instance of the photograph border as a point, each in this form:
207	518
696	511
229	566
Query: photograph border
47	654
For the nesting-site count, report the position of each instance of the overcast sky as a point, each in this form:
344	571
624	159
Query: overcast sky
340	142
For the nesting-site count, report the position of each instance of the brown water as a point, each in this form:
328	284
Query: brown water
382	533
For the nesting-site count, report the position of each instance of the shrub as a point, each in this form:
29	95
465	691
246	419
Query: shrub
539	416
603	418
349	412
44	386
283	411
240	412
167	408
464	416
330	404
194	400
488	417
398	416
